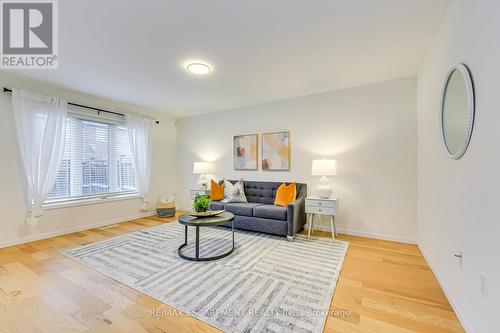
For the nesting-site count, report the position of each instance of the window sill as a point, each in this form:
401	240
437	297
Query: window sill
90	201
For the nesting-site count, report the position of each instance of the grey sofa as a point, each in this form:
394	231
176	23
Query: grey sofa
260	214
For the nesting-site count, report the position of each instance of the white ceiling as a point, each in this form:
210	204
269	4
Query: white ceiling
261	51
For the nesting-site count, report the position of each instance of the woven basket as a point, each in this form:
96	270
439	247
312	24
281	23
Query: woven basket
165	210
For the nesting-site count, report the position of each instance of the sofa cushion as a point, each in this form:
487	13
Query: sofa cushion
234	192
217	205
216	190
261	192
270	212
241	208
259	224
285	194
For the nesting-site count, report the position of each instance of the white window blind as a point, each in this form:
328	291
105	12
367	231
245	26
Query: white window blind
97	161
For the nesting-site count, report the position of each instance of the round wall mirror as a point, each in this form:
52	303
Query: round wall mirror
457	111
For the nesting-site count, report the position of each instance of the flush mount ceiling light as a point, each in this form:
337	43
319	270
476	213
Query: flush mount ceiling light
198	68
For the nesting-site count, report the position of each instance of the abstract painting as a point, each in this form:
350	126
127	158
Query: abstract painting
276	151
245	152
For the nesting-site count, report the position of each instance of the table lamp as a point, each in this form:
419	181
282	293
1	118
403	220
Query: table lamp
324	168
201	168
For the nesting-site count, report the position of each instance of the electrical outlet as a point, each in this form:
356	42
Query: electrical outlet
484	284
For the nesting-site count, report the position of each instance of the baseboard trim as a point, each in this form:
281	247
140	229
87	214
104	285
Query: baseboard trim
360	233
449	295
368	234
36	237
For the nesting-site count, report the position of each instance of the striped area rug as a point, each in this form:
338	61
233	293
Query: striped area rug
267	284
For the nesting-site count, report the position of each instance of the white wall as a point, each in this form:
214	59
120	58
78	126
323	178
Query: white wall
12	202
370	130
458	200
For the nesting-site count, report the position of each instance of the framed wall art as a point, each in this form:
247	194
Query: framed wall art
245	152
276	151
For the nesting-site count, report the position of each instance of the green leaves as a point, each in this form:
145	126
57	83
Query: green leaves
201	203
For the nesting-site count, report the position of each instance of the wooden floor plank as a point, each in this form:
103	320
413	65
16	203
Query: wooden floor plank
383	287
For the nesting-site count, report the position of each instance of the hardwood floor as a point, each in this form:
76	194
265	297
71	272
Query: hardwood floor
384	287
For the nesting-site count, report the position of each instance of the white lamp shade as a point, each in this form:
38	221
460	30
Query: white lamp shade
324	167
200	168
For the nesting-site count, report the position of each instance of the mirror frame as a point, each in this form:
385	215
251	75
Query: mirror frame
469	121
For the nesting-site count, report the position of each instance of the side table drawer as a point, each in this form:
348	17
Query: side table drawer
320	210
320	203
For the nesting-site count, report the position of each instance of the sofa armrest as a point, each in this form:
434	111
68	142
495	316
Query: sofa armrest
296	214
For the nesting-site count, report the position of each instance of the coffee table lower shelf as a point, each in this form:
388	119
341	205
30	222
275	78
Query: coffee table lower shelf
197	246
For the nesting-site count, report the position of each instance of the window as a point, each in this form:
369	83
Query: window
97	161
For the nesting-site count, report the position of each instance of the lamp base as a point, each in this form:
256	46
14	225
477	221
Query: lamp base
324	191
203	182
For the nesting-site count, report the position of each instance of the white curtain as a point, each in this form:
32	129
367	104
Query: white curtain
41	128
139	132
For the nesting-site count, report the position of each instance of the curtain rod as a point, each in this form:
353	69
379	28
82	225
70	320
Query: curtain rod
7	90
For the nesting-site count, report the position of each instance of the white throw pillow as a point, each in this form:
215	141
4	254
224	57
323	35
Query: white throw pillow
234	192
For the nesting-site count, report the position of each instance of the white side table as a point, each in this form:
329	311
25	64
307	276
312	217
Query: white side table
194	192
321	206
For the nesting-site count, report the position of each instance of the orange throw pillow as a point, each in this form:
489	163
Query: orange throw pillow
285	194
216	191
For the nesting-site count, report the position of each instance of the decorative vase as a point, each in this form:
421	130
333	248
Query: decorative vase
200	210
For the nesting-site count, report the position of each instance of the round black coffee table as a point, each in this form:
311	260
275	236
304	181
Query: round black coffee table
197	222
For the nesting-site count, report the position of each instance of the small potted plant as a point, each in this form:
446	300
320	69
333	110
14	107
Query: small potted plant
201	203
